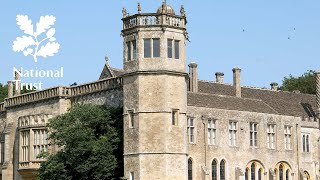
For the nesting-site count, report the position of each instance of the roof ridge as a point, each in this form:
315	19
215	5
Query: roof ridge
220	95
257	88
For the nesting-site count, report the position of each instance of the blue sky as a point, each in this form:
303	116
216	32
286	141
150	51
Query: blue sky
87	30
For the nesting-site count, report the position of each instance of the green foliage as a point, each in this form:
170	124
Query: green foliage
305	83
90	141
3	92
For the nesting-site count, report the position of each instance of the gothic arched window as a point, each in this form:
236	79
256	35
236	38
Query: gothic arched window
253	171
304	143
287	174
307	144
189	169
246	174
222	170
281	172
260	174
214	170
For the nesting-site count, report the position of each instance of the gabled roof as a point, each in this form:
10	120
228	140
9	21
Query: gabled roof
109	72
219	96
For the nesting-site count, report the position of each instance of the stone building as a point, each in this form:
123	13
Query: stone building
175	126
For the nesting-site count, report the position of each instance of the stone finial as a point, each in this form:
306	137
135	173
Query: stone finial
274	86
237	81
139	8
219	77
182	11
317	74
193	77
124	12
10	89
106	58
164	5
17	78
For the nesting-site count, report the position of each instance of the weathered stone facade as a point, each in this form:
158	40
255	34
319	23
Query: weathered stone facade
175	126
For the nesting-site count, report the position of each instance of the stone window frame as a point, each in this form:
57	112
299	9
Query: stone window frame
193	127
151	47
213	131
285	167
132	55
175	117
131	118
306	139
253	134
288	137
131	175
30	124
258	167
173	50
273	134
232	140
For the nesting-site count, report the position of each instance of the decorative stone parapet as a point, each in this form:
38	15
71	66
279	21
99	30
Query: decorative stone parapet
37	96
97	86
66	92
153	19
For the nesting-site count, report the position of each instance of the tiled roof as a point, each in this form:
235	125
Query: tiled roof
117	72
228	103
253	99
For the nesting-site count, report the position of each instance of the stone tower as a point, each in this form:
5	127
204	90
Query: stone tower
155	94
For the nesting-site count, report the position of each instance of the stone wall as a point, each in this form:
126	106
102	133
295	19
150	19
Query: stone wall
240	155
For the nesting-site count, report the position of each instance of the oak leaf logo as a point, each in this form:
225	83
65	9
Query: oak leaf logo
32	43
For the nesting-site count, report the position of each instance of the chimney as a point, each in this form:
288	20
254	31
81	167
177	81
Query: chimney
193	77
10	89
17	78
219	77
318	93
236	81
274	86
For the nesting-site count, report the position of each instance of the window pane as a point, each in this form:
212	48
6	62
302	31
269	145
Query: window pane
156	47
134	45
214	170
147	48
260	174
281	172
129	51
253	172
177	49
189	169
170	48
222	170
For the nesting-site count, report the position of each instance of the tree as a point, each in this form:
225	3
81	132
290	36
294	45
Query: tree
90	141
3	92
305	83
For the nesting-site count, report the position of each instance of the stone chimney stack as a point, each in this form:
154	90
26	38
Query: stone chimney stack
10	89
17	78
219	77
318	93
274	86
193	77
236	81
